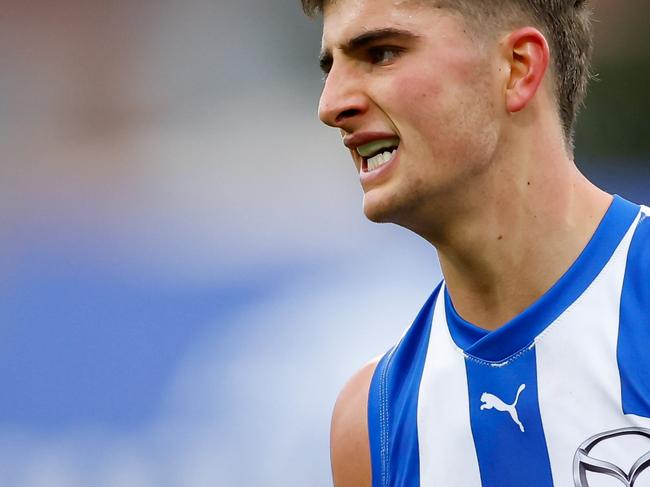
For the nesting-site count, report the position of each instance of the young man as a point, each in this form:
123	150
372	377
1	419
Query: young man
527	366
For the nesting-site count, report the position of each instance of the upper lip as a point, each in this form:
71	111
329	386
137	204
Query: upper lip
353	141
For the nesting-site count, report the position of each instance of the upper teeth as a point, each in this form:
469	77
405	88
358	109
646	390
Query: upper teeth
379	160
377	146
378	152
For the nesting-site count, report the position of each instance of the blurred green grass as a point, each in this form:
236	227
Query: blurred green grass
616	121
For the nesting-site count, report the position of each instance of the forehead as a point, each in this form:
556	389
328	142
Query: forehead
344	19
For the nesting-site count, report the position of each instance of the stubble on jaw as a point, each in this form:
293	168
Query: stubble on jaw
422	200
455	138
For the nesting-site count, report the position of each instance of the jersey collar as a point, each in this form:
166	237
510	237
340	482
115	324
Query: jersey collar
520	332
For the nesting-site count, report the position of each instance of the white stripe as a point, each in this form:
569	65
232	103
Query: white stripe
444	427
577	372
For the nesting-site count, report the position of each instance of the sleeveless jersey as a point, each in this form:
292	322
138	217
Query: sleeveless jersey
559	396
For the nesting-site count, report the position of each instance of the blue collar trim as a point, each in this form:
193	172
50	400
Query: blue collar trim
520	332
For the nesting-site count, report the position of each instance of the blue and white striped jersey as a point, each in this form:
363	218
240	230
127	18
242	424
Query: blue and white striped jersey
559	396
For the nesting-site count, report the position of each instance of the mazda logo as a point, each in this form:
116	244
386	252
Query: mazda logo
583	463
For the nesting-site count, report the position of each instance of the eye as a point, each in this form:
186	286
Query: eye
325	66
383	54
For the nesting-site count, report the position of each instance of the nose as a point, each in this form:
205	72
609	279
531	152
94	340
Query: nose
342	100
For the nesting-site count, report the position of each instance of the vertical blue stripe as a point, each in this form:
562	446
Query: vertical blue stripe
507	456
393	403
633	351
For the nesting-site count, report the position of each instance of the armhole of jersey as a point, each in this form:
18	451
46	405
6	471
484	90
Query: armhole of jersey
378	421
392	403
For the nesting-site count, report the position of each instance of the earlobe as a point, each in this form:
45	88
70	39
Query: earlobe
528	56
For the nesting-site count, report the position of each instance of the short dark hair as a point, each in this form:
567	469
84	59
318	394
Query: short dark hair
566	25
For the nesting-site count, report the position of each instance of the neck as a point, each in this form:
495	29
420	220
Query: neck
503	245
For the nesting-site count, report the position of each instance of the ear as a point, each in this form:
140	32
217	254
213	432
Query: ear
527	54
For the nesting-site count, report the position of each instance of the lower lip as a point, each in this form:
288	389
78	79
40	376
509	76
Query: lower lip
371	178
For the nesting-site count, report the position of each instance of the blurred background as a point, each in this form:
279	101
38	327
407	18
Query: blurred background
186	275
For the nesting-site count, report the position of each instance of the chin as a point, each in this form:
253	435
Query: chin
400	208
380	209
375	216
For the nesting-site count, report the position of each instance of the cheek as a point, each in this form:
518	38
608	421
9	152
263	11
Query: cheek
421	110
452	115
418	95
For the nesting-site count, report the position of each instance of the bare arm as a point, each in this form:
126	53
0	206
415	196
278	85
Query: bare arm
349	447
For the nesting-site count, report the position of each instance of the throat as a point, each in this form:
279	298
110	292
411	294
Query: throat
489	296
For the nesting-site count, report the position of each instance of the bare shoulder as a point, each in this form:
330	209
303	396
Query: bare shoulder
349	447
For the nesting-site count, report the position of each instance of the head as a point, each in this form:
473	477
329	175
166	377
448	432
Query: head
439	87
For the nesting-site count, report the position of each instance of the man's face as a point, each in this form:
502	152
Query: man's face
409	82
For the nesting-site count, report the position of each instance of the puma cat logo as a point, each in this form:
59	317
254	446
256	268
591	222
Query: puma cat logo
491	401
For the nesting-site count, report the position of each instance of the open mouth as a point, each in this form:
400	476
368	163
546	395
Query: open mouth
377	153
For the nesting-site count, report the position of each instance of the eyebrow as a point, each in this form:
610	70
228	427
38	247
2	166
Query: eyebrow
362	40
